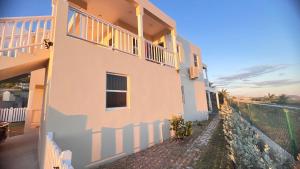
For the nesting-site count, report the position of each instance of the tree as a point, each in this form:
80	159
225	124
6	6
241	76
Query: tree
223	95
270	97
282	99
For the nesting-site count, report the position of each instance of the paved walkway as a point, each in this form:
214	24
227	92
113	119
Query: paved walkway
192	153
20	152
169	154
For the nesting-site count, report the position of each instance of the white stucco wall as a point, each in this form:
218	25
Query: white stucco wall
195	106
75	100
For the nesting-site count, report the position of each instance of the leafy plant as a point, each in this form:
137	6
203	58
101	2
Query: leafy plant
223	96
180	127
188	128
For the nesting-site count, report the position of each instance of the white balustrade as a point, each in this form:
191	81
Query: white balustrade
158	54
23	34
90	28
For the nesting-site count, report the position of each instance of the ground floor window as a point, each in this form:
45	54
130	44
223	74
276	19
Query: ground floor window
116	90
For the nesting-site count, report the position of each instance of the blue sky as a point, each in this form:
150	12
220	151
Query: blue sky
250	47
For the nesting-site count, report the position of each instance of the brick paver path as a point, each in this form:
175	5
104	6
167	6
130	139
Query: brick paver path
194	150
172	153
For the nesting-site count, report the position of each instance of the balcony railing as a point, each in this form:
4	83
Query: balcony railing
23	34
87	27
90	28
158	54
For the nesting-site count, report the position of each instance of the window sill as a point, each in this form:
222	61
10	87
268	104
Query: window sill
115	108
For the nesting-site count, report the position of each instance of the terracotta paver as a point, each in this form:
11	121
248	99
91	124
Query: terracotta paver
169	154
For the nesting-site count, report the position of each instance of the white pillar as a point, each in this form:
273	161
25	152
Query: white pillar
206	73
141	48
217	97
174	46
209	101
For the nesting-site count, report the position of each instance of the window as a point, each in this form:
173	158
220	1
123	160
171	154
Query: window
116	90
195	60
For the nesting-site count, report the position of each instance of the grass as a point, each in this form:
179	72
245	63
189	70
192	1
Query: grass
215	154
16	128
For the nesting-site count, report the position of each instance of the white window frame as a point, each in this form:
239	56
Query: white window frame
116	91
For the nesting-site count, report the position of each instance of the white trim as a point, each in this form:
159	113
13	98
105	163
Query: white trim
108	109
117	91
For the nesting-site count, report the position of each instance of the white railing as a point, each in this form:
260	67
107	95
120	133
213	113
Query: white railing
90	28
24	34
158	54
54	157
13	114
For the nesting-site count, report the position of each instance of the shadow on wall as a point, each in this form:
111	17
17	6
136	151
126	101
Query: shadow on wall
119	142
70	134
91	148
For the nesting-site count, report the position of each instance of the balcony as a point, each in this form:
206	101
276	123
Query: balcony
127	29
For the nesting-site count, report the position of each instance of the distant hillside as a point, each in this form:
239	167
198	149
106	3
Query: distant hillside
294	97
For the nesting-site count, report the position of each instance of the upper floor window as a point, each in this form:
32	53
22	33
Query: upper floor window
196	60
116	90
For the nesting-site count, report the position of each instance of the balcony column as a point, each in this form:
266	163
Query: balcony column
209	101
217	97
141	48
174	46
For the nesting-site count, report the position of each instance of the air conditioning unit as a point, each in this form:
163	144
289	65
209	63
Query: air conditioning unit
194	72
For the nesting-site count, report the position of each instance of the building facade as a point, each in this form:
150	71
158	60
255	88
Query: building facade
116	73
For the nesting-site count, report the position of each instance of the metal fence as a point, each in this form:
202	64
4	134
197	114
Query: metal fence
281	124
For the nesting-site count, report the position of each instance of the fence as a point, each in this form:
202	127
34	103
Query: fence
13	114
282	125
23	34
54	157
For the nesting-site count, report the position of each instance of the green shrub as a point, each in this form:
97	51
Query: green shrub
188	128
180	127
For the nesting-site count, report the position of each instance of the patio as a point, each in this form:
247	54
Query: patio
20	151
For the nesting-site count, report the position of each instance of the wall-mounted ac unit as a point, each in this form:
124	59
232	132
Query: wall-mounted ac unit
194	72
